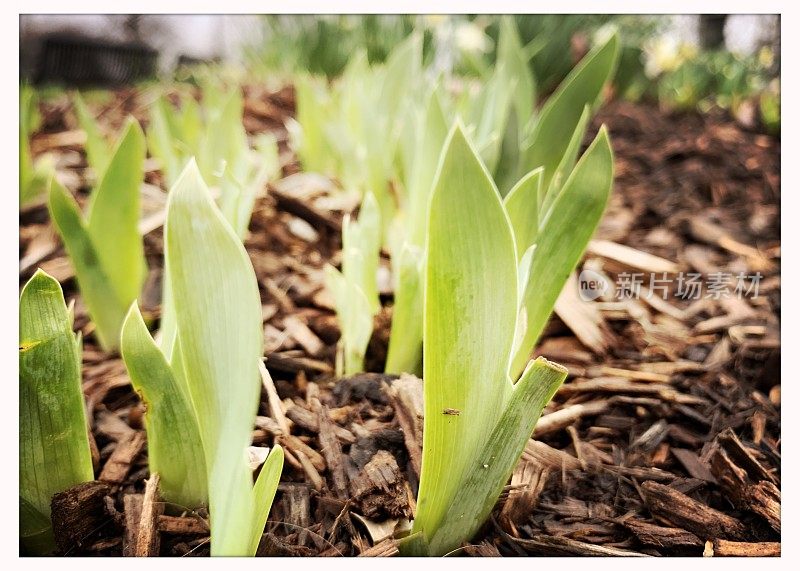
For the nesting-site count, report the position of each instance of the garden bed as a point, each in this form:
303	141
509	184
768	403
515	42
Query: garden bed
665	439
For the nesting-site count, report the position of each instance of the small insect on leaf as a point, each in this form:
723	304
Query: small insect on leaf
451	411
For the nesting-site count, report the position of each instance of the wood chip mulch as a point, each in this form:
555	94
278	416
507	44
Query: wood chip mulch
665	439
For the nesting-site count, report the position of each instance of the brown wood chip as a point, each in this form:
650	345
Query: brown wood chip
119	463
684	512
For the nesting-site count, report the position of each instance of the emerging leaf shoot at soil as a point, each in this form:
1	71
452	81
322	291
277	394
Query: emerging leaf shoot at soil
355	288
212	372
53	435
469	323
105	245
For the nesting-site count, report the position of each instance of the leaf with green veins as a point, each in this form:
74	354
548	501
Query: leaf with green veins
114	212
564	232
563	110
470	311
489	471
106	309
98	150
174	445
54	445
217	306
264	493
567	161
522	206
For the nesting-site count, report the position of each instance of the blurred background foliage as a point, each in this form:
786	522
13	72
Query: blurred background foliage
656	63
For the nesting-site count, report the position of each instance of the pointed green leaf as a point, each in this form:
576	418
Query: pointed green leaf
264	493
511	57
113	216
218	311
522	205
567	161
470	308
105	308
98	150
563	236
53	438
491	468
405	342
160	141
562	111
174	445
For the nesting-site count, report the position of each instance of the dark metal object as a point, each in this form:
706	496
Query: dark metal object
84	62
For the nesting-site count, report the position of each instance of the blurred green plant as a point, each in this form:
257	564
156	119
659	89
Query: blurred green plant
104	245
33	174
53	435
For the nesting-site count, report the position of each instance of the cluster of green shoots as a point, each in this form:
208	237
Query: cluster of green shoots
485	204
202	387
485	221
370	132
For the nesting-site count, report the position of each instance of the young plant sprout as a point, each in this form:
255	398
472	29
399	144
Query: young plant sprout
105	245
98	150
471	308
203	398
33	175
354	289
551	145
213	133
53	435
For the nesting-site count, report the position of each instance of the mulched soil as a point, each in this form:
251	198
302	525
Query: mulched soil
665	439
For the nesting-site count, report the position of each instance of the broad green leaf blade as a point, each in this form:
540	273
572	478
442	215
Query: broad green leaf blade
113	216
567	162
53	439
218	310
564	233
354	314
264	493
174	445
470	308
522	205
105	308
405	342
564	108
489	471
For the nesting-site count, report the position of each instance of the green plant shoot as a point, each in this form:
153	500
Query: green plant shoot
53	435
33	175
217	348
355	289
105	245
477	420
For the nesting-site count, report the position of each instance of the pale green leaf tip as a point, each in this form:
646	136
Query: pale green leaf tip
41	280
544	362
